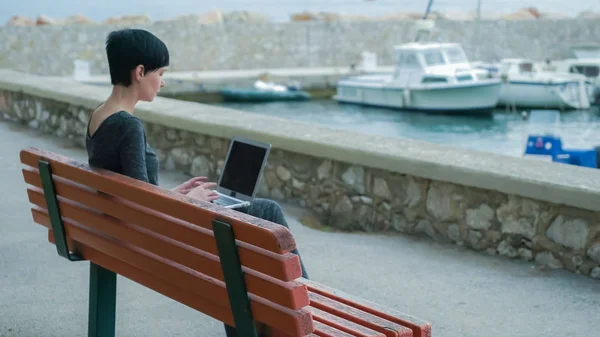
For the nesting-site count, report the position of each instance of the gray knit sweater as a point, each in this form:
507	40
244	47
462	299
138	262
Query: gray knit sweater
119	145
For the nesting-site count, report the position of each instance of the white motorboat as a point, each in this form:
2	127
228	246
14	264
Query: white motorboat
588	67
432	77
526	85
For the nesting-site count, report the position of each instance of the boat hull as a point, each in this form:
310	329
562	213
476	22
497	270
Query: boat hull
256	96
568	95
468	99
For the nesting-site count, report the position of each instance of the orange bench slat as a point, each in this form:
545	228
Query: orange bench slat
258	232
285	267
388	328
298	323
342	324
289	294
419	327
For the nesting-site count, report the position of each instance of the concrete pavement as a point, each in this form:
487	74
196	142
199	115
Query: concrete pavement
462	293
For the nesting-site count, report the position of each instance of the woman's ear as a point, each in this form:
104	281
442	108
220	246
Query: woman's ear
139	72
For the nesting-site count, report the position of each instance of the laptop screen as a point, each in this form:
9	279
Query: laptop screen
242	168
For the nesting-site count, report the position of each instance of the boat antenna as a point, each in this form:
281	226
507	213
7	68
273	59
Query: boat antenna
425	17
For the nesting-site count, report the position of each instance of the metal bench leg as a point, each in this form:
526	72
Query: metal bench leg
58	227
234	280
103	298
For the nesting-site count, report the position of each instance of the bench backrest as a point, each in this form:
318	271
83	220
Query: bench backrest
166	242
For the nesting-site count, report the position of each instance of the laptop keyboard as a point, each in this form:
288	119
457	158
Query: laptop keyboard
226	201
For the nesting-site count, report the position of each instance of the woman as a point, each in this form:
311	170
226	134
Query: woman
116	139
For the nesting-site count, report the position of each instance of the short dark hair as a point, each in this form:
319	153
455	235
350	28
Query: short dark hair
128	48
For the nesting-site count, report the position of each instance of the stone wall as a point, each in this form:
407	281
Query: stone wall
357	197
51	50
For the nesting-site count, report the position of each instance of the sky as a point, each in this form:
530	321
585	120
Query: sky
277	10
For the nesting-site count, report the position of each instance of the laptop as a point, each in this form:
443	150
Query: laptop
242	172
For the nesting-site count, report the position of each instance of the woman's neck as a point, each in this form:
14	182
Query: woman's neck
122	98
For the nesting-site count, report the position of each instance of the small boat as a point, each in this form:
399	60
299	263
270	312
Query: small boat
430	77
549	148
526	85
588	67
265	92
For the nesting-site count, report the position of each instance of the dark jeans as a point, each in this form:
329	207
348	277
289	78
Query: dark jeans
271	211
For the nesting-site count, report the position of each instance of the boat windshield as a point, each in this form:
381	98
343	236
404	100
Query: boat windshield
433	58
408	60
456	55
526	67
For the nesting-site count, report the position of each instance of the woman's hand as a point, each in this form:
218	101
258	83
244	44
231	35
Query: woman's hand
189	185
204	192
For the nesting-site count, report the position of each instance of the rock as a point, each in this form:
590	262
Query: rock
443	203
20	21
412	214
400	223
324	170
480	218
216	144
362	215
263	191
425	226
77	19
245	17
199	140
525	254
493	236
181	157
386	207
454	232
17	109
380	188
355	178
220	165
303	16
595	273
577	260
355	199
297	184
129	20
366	200
571	233
83	116
277	194
272	180
201	166
547	259
491	251
522	14
594	252
589	14
344	206
414	192
519	216
505	249
313	194
185	135
283	173
162	155
34	124
171	134
44	20
474	237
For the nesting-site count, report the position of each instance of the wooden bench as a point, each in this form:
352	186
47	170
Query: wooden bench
233	267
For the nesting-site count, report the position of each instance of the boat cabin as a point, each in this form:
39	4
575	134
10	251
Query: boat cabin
434	63
518	66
